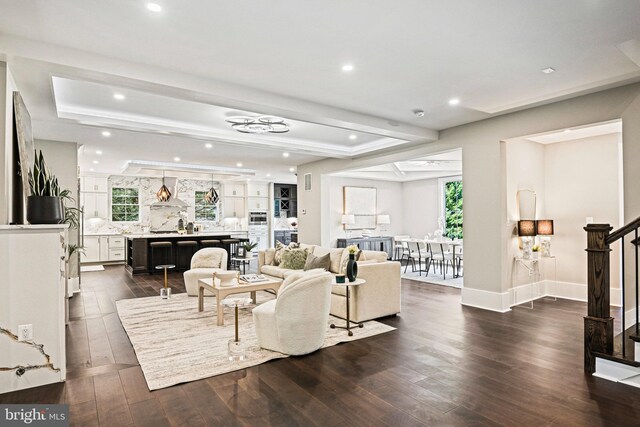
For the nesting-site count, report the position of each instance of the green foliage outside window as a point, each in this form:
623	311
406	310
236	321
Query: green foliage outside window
205	211
124	204
453	209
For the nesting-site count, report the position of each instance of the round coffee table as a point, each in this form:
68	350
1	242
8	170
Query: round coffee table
165	293
348	286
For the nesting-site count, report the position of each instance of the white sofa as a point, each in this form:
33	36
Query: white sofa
296	322
204	263
378	297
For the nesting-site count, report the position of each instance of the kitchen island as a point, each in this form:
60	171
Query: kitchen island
138	251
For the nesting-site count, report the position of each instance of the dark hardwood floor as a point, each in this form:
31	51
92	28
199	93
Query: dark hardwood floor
445	365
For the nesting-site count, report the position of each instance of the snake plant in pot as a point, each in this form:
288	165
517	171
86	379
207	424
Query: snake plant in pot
44	205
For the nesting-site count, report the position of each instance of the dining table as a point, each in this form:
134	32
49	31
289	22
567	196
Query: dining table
453	244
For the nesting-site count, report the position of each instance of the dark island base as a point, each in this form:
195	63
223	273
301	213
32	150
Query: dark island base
139	259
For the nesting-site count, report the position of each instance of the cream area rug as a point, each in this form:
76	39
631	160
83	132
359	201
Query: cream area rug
175	343
434	278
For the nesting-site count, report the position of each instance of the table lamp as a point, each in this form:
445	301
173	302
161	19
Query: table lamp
527	230
347	220
383	221
545	229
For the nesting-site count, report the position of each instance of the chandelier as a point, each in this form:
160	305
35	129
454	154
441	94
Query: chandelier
212	195
259	125
163	193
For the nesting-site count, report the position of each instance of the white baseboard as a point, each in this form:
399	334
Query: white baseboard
487	300
503	301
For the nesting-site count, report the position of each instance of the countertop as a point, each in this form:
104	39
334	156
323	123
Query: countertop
173	235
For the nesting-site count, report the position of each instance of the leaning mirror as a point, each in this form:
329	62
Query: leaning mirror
526	204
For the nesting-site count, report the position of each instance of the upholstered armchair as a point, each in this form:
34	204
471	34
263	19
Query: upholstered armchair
204	263
295	322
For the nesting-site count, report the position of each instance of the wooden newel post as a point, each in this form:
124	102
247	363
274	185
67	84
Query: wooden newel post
598	324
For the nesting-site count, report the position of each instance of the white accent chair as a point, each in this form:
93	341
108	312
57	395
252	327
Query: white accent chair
204	263
296	321
398	247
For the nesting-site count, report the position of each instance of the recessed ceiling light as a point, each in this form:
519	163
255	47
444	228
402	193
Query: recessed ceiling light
208	145
106	133
353	137
347	67
118	96
292	169
567	130
154	7
268	175
239	164
95	162
454	101
91	170
548	70
285	154
176	159
98	152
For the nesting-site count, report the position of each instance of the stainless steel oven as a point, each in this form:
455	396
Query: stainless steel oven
258	218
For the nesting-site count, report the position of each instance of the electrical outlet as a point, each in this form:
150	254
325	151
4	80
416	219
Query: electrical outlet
25	332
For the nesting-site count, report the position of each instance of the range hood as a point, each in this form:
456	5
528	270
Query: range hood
174	200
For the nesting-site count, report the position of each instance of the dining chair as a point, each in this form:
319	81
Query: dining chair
397	245
442	257
406	254
418	252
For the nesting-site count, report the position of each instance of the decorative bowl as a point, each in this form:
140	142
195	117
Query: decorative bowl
227	278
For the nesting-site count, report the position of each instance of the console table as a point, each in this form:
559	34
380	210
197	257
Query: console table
379	243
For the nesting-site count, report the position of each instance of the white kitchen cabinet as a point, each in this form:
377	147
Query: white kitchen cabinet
257	189
258	203
93	184
95	205
91	249
116	248
262	239
234	207
103	249
233	190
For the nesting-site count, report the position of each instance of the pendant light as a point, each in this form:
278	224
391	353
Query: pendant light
212	195
163	193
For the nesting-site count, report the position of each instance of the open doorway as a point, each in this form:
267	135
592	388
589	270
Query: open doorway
421	200
575	178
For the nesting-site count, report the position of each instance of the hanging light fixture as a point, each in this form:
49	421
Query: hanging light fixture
163	193
259	125
212	195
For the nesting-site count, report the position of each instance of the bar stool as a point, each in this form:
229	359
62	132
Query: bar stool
230	246
186	249
209	243
166	251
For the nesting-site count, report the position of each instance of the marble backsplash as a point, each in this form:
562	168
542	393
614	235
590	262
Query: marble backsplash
160	218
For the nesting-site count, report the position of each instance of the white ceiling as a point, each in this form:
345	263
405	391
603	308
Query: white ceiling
206	59
428	167
577	133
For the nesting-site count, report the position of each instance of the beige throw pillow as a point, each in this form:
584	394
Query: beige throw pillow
313	261
345	259
269	256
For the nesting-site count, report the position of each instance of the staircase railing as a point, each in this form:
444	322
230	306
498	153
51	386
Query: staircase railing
598	324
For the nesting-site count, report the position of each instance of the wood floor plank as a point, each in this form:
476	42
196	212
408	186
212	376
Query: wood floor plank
113	409
149	413
445	365
99	345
